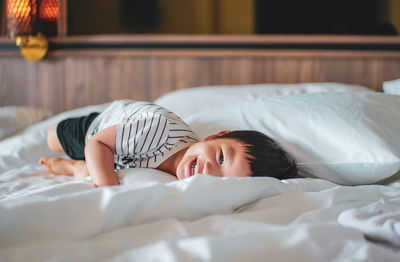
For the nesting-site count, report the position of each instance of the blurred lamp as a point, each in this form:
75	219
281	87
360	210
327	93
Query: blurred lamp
28	21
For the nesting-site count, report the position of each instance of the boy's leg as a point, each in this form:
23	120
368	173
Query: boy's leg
73	134
63	166
52	140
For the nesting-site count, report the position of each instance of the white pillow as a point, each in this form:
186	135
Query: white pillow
347	138
392	87
192	100
16	118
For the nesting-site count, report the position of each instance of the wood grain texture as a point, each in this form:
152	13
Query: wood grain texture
39	85
225	38
67	82
62	25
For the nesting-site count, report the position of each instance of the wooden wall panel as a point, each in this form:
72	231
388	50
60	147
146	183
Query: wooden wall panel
3	81
162	76
62	83
78	75
357	71
17	84
51	85
100	80
389	68
285	71
198	72
33	84
129	79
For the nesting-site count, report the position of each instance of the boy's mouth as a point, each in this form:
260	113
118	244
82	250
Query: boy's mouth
192	167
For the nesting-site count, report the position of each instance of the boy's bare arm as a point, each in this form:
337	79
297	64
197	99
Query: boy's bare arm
99	155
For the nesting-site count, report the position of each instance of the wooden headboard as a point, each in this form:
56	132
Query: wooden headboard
80	71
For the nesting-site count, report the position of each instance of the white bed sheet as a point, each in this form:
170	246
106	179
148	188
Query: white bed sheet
199	219
44	217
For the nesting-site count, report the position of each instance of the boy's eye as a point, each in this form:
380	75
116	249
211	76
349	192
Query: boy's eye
221	158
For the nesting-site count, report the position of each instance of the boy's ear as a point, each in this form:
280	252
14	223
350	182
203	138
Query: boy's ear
221	133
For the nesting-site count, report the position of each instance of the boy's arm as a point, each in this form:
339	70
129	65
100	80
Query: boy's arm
99	155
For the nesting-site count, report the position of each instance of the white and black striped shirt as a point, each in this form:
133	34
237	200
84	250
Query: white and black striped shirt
147	134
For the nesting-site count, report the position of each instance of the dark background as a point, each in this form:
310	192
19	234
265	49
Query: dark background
356	17
359	17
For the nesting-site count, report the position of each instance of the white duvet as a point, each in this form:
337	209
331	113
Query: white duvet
44	217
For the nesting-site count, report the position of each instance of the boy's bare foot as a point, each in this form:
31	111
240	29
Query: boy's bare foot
63	166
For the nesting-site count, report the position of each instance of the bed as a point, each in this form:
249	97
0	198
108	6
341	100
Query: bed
345	207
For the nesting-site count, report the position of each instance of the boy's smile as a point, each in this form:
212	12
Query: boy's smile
221	157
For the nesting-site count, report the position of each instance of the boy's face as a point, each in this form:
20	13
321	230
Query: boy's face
221	157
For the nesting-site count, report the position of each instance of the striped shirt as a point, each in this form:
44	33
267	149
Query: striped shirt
146	135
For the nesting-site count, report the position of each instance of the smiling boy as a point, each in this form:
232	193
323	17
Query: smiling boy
129	134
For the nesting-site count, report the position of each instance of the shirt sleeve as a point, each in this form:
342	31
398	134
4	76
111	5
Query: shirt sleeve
142	134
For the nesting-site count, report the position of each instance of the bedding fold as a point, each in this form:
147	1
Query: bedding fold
202	218
379	221
84	213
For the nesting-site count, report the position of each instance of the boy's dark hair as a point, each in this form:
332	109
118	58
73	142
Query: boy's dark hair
266	158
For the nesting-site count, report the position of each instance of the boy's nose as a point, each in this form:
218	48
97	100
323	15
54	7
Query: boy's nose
207	168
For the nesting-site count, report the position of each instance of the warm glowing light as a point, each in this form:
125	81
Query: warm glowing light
49	10
24	9
21	9
21	16
27	17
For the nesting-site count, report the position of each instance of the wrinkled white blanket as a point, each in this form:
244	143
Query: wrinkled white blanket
202	218
381	224
44	217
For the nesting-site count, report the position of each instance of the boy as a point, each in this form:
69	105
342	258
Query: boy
130	134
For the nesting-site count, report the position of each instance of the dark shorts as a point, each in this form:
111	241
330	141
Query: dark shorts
71	133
